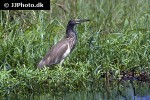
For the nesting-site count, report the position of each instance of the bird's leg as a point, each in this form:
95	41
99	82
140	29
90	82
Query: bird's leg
61	62
60	65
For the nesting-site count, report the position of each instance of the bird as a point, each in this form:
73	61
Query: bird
64	47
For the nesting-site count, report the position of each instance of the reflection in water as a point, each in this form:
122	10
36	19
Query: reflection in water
88	96
129	92
123	91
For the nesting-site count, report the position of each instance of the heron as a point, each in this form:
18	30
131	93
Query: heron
64	47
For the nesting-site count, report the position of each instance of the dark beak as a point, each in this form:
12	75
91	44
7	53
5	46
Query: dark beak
81	21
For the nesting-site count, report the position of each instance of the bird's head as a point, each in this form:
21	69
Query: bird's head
77	21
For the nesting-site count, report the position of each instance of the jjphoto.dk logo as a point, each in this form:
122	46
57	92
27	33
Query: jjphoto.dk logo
25	5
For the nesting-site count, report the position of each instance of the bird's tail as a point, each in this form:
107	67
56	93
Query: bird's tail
41	64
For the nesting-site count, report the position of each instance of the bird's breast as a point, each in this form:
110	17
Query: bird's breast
67	51
72	42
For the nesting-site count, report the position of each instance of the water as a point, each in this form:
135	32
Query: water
125	91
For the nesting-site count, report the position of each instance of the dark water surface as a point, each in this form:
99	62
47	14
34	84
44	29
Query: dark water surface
125	91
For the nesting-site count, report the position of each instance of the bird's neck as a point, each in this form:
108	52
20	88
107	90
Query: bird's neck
70	32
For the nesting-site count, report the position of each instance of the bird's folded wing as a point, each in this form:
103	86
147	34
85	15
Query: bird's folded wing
55	54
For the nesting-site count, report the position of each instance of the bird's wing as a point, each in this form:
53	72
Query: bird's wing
55	54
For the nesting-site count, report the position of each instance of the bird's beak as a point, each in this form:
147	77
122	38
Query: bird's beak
81	21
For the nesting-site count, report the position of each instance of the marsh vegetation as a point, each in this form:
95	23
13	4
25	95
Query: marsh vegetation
116	41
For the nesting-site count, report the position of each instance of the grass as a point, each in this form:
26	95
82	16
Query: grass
117	39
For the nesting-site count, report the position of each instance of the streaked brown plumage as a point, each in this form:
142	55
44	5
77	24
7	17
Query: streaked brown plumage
61	50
